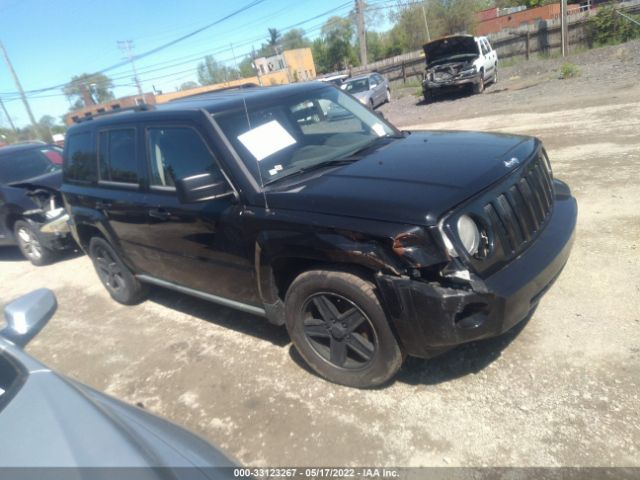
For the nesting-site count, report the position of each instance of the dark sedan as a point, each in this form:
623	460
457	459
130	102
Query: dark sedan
31	212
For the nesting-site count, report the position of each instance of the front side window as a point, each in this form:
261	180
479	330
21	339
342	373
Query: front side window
176	153
117	156
302	131
80	158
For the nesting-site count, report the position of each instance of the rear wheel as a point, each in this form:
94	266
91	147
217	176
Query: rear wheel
340	329
30	245
388	99
121	284
495	75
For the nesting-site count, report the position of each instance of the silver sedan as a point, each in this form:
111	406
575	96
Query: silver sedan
371	89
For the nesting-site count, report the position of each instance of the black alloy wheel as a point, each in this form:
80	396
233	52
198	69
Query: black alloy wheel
339	331
109	270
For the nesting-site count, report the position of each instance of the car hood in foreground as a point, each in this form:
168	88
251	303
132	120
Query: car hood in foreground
55	422
414	180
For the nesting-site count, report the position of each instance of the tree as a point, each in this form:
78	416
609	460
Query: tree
211	71
337	33
188	85
274	40
246	67
89	89
294	38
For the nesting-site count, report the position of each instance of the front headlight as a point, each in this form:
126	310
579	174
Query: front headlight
469	234
468	71
363	100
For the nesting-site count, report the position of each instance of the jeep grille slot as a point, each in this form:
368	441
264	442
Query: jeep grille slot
519	213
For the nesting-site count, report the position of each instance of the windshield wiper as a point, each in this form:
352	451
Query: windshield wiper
310	168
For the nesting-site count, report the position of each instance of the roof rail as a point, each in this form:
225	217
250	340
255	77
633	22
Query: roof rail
115	109
224	89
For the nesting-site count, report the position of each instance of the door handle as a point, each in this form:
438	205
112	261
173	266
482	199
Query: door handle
159	213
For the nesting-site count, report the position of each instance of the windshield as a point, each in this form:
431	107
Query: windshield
357	86
301	132
25	164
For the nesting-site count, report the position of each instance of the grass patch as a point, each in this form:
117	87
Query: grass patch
569	70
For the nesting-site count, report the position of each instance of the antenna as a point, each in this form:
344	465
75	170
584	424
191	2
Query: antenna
246	112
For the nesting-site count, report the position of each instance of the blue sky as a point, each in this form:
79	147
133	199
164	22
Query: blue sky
50	41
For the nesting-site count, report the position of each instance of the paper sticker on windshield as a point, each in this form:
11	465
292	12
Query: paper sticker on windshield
266	139
378	130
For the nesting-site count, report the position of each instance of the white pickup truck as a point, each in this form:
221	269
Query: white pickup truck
458	61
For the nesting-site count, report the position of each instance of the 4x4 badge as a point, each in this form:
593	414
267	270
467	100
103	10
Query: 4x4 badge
512	162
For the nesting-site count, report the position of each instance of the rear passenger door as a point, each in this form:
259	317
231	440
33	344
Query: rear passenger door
197	245
120	196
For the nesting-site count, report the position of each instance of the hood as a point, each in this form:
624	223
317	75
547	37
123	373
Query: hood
51	181
447	47
412	180
54	422
364	94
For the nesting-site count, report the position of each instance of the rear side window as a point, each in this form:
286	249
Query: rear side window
80	158
175	153
117	156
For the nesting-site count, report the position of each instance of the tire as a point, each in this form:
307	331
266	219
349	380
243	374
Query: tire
30	245
388	97
339	328
495	75
121	284
479	87
371	104
428	96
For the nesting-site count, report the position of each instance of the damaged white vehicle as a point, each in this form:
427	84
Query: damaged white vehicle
458	61
31	211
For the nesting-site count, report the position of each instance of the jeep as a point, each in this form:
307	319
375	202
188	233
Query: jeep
299	204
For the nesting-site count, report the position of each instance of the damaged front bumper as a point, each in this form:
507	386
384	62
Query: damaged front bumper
52	227
430	318
451	83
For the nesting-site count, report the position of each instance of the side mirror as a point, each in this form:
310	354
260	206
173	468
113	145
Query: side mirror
201	187
27	315
372	86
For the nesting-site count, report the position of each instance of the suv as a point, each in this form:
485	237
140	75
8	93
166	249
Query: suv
458	61
31	213
368	243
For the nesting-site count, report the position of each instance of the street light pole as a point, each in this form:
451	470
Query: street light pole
13	127
127	47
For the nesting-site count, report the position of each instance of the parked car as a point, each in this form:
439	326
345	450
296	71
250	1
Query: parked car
31	212
51	421
337	80
371	89
368	243
458	61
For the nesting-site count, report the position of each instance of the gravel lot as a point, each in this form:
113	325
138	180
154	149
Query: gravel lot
561	391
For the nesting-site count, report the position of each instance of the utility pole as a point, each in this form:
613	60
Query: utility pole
426	25
127	47
564	32
6	114
362	34
19	87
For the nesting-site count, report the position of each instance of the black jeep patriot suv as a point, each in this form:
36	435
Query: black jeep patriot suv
301	205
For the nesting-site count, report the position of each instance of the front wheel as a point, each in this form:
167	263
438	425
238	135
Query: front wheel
340	329
30	245
479	87
121	284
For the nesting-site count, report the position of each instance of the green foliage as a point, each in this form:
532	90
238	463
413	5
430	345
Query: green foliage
188	85
88	89
294	39
211	71
607	27
246	67
569	70
339	49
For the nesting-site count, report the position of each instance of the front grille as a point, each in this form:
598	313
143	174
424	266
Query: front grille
520	211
